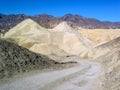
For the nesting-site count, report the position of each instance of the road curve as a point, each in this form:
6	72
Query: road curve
80	77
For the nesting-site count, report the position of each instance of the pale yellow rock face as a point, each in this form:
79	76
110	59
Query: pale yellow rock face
28	33
60	40
106	48
47	49
70	40
100	36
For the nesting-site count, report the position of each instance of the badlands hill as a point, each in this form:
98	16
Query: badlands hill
110	78
71	42
108	54
32	36
28	33
105	48
15	59
100	36
60	40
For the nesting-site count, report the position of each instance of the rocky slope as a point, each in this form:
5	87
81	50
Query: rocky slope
84	22
48	21
110	78
105	48
15	59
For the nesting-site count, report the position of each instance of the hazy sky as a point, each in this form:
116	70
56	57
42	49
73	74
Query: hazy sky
105	10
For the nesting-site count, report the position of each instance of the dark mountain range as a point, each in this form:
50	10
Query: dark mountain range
48	21
89	22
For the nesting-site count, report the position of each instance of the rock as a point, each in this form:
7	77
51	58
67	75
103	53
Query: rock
111	70
15	59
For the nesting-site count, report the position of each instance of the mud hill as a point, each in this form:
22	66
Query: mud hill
105	48
71	42
16	59
58	41
32	36
100	36
28	33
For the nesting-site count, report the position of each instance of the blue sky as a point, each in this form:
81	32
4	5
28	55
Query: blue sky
104	10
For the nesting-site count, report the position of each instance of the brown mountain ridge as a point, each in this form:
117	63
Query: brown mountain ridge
49	21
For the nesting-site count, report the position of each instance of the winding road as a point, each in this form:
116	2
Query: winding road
80	77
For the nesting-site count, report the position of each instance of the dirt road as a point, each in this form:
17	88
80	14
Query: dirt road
80	77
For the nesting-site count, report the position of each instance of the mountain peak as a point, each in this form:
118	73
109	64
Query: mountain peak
72	15
9	21
63	26
27	26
